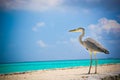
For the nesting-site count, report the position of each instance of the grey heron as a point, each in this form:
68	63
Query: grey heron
91	45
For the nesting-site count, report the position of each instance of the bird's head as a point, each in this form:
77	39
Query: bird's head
80	29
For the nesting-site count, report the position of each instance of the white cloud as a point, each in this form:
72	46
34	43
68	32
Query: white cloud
40	24
41	43
34	5
86	11
104	25
69	41
73	40
37	26
107	25
42	5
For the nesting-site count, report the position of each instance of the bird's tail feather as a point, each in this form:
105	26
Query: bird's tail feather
106	51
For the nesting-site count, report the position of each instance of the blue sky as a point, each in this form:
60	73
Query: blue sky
37	30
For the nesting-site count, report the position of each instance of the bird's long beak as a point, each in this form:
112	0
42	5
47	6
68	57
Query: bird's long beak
72	30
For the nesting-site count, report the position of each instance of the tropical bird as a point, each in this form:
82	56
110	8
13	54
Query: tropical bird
91	45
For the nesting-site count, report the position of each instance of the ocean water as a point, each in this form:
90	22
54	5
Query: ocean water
43	65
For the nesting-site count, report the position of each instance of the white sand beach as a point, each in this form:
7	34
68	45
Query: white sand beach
79	73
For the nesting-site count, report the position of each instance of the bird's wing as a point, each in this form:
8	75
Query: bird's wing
95	44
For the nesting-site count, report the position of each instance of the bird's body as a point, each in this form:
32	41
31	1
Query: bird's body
91	45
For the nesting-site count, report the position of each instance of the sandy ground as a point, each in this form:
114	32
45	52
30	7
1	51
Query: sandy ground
79	73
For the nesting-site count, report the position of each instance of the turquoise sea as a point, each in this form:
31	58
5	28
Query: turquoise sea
42	65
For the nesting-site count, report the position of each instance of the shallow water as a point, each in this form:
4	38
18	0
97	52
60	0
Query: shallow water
30	66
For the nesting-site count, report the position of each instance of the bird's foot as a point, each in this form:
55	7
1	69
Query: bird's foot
88	72
95	72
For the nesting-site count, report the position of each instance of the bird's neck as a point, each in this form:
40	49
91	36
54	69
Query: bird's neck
81	36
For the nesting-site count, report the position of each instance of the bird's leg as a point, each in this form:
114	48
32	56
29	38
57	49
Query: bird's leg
95	63
90	63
